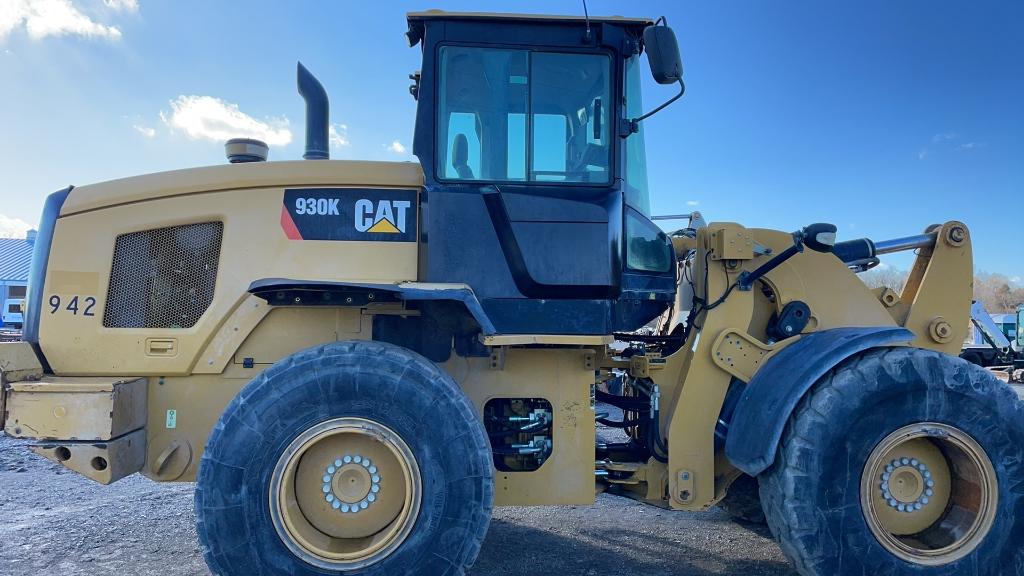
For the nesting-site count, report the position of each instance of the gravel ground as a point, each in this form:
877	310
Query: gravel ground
57	522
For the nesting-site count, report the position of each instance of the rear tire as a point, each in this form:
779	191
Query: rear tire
259	505
962	434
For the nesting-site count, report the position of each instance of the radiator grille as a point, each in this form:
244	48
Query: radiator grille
164	277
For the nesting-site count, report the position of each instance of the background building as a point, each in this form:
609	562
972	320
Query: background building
15	258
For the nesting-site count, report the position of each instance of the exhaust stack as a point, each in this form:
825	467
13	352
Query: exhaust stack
317	115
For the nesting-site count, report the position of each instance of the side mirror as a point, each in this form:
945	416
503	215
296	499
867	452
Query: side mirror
663	54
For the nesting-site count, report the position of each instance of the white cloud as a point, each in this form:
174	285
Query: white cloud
971	145
146	131
922	154
42	18
13	227
209	118
693	202
126	5
396	147
337	134
943	137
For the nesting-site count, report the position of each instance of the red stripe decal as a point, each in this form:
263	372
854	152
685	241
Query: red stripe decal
288	225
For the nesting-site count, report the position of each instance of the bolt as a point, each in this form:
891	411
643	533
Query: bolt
957	234
940	330
684	495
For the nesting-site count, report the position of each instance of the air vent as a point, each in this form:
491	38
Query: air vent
164	277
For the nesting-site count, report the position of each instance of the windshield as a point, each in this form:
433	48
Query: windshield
487	96
636	154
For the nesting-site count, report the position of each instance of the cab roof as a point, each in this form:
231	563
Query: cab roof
417	20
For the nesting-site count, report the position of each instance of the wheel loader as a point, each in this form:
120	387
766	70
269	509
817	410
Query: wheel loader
355	361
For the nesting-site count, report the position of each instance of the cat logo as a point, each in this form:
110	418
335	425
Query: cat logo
389	216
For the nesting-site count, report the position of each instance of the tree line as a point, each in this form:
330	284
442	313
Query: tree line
997	292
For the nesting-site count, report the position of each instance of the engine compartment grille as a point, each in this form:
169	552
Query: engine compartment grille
163	277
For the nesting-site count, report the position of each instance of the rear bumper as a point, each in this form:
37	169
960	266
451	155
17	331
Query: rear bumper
18	362
94	426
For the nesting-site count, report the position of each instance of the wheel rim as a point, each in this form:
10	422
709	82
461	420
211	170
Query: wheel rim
345	494
929	493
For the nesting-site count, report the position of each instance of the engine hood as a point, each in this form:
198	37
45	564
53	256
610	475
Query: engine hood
240	177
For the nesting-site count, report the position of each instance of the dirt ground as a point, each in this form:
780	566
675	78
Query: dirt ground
53	521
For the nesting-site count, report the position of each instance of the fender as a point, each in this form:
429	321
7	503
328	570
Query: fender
268	288
776	389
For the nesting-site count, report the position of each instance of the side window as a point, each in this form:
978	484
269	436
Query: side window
648	248
514	115
569	100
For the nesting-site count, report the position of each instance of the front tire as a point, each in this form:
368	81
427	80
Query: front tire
901	461
349	458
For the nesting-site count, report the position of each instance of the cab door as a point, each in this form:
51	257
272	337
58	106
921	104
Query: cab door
524	204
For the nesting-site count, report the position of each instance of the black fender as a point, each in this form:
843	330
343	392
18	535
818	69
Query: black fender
283	292
775	390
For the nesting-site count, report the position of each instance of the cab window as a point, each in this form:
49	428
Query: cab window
517	115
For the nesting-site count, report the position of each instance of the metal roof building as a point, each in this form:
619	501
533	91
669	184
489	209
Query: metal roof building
15	259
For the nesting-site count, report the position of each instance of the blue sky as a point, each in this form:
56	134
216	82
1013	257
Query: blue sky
879	116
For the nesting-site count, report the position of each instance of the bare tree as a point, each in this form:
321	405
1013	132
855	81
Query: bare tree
997	293
887	276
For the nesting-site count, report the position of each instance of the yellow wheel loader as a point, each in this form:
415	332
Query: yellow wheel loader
355	361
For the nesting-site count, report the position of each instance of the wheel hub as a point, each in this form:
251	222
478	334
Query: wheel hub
351	484
929	493
907	485
345	493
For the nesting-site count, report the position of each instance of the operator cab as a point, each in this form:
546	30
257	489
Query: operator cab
536	183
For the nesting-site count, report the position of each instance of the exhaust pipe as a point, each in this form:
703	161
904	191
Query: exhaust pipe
317	115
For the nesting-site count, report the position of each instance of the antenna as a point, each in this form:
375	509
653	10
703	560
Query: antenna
586	15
